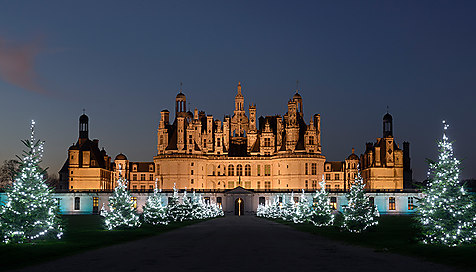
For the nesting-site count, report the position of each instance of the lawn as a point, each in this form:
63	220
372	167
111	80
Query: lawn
397	234
83	232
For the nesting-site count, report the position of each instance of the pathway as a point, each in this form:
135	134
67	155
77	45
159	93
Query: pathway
233	243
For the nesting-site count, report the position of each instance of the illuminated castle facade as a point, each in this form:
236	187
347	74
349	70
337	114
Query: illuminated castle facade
197	151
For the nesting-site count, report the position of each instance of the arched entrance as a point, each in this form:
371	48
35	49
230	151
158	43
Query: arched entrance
239	206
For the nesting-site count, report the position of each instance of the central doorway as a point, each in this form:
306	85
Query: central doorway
239	206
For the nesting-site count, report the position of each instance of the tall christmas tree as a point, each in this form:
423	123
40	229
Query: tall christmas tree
359	213
30	211
154	212
122	213
321	213
446	213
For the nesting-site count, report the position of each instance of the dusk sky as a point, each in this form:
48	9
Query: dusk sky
123	62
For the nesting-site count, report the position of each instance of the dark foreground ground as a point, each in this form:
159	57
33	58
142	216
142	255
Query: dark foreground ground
236	244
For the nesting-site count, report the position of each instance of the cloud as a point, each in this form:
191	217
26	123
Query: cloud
17	65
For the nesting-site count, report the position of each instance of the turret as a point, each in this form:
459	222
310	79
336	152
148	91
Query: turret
83	128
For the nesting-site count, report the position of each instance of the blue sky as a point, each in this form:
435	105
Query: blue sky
123	61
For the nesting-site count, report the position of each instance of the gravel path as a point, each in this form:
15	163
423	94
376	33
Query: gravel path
233	243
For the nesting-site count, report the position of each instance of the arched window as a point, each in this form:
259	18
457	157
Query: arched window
231	170
247	170
239	170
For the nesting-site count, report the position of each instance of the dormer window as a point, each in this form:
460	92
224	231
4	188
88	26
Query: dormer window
134	167
151	168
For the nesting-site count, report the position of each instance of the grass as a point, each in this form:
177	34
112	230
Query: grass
397	234
83	232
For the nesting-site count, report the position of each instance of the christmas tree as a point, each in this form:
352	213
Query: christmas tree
174	209
122	213
359	213
321	213
154	212
199	209
446	213
288	209
30	211
302	210
186	207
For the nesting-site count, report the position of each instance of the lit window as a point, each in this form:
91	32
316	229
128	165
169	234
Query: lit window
334	202
411	205
248	184
336	177
267	185
231	184
134	202
391	203
314	184
258	170
328	176
151	176
134	176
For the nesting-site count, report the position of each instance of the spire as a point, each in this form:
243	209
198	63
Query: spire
239	90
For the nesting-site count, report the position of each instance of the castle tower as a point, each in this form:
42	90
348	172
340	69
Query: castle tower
387	126
239	121
180	103
298	100
83	128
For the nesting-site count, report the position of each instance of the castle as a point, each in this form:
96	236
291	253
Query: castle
271	153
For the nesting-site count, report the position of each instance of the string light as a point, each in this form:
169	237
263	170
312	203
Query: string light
121	213
446	212
359	214
30	211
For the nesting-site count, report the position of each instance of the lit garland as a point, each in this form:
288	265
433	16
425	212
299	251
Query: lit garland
359	213
446	213
321	212
122	213
30	211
